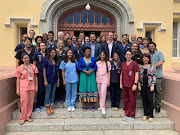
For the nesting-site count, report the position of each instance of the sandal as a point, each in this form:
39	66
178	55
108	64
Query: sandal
21	122
144	118
150	120
30	120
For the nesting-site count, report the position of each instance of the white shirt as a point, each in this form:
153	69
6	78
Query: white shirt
110	48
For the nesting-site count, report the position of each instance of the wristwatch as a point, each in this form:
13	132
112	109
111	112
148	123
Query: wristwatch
135	83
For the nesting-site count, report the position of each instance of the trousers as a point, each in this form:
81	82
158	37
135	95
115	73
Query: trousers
26	100
129	99
102	90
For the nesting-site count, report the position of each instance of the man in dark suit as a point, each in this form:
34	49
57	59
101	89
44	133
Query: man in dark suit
95	47
110	47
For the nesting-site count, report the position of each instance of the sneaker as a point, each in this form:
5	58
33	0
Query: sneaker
115	109
43	108
99	109
69	109
103	112
125	118
73	109
38	110
112	108
130	119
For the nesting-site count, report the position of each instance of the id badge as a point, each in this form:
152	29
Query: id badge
119	71
30	78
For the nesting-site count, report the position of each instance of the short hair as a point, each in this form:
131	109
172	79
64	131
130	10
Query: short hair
38	37
85	48
145	38
124	35
22	55
24	34
81	32
31	30
67	33
60	32
28	38
60	40
92	33
140	38
135	42
145	55
68	39
110	32
44	34
151	43
51	32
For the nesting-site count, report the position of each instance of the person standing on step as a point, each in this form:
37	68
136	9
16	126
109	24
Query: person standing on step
157	58
70	79
77	51
147	80
128	83
115	91
21	45
51	81
38	60
88	92
103	79
26	87
61	54
51	44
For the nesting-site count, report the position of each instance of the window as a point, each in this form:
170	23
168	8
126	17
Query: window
176	40
150	33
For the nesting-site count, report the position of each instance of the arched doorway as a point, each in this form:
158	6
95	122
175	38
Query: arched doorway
54	9
78	19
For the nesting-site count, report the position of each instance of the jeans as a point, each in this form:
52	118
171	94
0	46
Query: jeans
50	93
71	94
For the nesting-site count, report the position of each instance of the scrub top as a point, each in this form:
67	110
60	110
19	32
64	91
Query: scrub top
123	50
51	46
101	73
20	52
71	75
128	73
51	71
115	72
38	57
23	73
78	53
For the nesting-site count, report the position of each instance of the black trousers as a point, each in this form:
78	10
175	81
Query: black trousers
148	104
60	91
41	91
115	93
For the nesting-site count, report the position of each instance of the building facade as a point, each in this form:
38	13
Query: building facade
159	19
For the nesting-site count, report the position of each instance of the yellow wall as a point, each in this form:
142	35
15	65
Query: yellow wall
149	11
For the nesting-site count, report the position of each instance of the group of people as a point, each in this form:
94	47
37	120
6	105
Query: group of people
58	69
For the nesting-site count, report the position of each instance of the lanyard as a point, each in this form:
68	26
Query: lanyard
29	71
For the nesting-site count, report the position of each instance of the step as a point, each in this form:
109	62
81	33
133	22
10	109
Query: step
62	113
108	104
97	132
88	124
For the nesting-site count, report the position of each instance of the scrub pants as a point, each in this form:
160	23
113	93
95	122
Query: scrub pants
129	99
102	90
147	97
50	93
71	94
41	92
158	92
27	100
115	93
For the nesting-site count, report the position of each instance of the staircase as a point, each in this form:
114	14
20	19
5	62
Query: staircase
90	123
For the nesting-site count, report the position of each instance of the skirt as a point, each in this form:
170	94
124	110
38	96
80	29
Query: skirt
88	87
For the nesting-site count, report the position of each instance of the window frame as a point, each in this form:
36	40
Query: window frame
178	40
